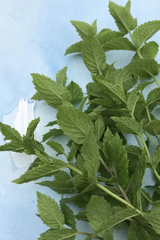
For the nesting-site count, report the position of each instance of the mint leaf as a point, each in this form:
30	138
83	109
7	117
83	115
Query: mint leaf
112	40
68	214
74	123
118	156
93	55
149	50
156	158
52	92
133	97
94	27
90	153
56	147
145	68
59	234
31	127
43	170
52	133
83	29
16	143
41	156
119	217
115	92
153	127
52	123
153	217
73	152
99	127
145	31
76	91
99	211
61	76
125	22
75	48
128	6
153	98
49	211
128	125
61	184
137	232
82	215
94	90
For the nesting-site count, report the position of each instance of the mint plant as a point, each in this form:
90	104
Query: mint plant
105	172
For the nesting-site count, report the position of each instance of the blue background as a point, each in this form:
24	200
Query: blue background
33	38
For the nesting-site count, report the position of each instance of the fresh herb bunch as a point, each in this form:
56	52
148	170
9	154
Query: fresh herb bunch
106	173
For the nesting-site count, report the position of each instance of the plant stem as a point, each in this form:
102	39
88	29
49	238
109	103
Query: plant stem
148	114
146	148
150	139
156	81
156	173
120	188
88	234
139	143
82	103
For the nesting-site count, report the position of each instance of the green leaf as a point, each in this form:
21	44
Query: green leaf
132	100
74	123
118	156
49	211
98	212
44	170
72	153
128	125
31	127
153	127
137	233
107	137
93	55
56	147
116	93
52	92
91	155
94	27
99	127
61	76
75	48
16	143
30	144
153	217
125	22
145	68
52	133
59	234
82	215
61	184
83	29
41	156
119	217
126	77
94	90
76	91
156	158
128	6
149	50
144	32
68	214
112	40
52	123
153	98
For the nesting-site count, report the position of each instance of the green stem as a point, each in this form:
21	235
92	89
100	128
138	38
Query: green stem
146	198
139	143
139	54
89	234
75	169
148	114
156	173
156	81
146	148
150	139
82	103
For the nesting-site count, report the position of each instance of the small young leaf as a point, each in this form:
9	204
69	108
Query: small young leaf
128	6
156	157
52	133
72	153
61	184
125	22
56	147
128	125
52	123
93	55
68	214
61	76
153	98
94	27
107	137
31	127
99	211
74	123
144	32
75	48
132	100
99	127
16	143
50	212
153	127
76	91
41	171
145	68
83	29
91	155
51	92
59	234
82	215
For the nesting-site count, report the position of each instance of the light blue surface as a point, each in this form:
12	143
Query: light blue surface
34	37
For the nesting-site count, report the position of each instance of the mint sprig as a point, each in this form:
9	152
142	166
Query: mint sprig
105	172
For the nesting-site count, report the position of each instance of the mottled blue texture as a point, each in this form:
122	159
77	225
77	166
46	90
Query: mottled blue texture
34	37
